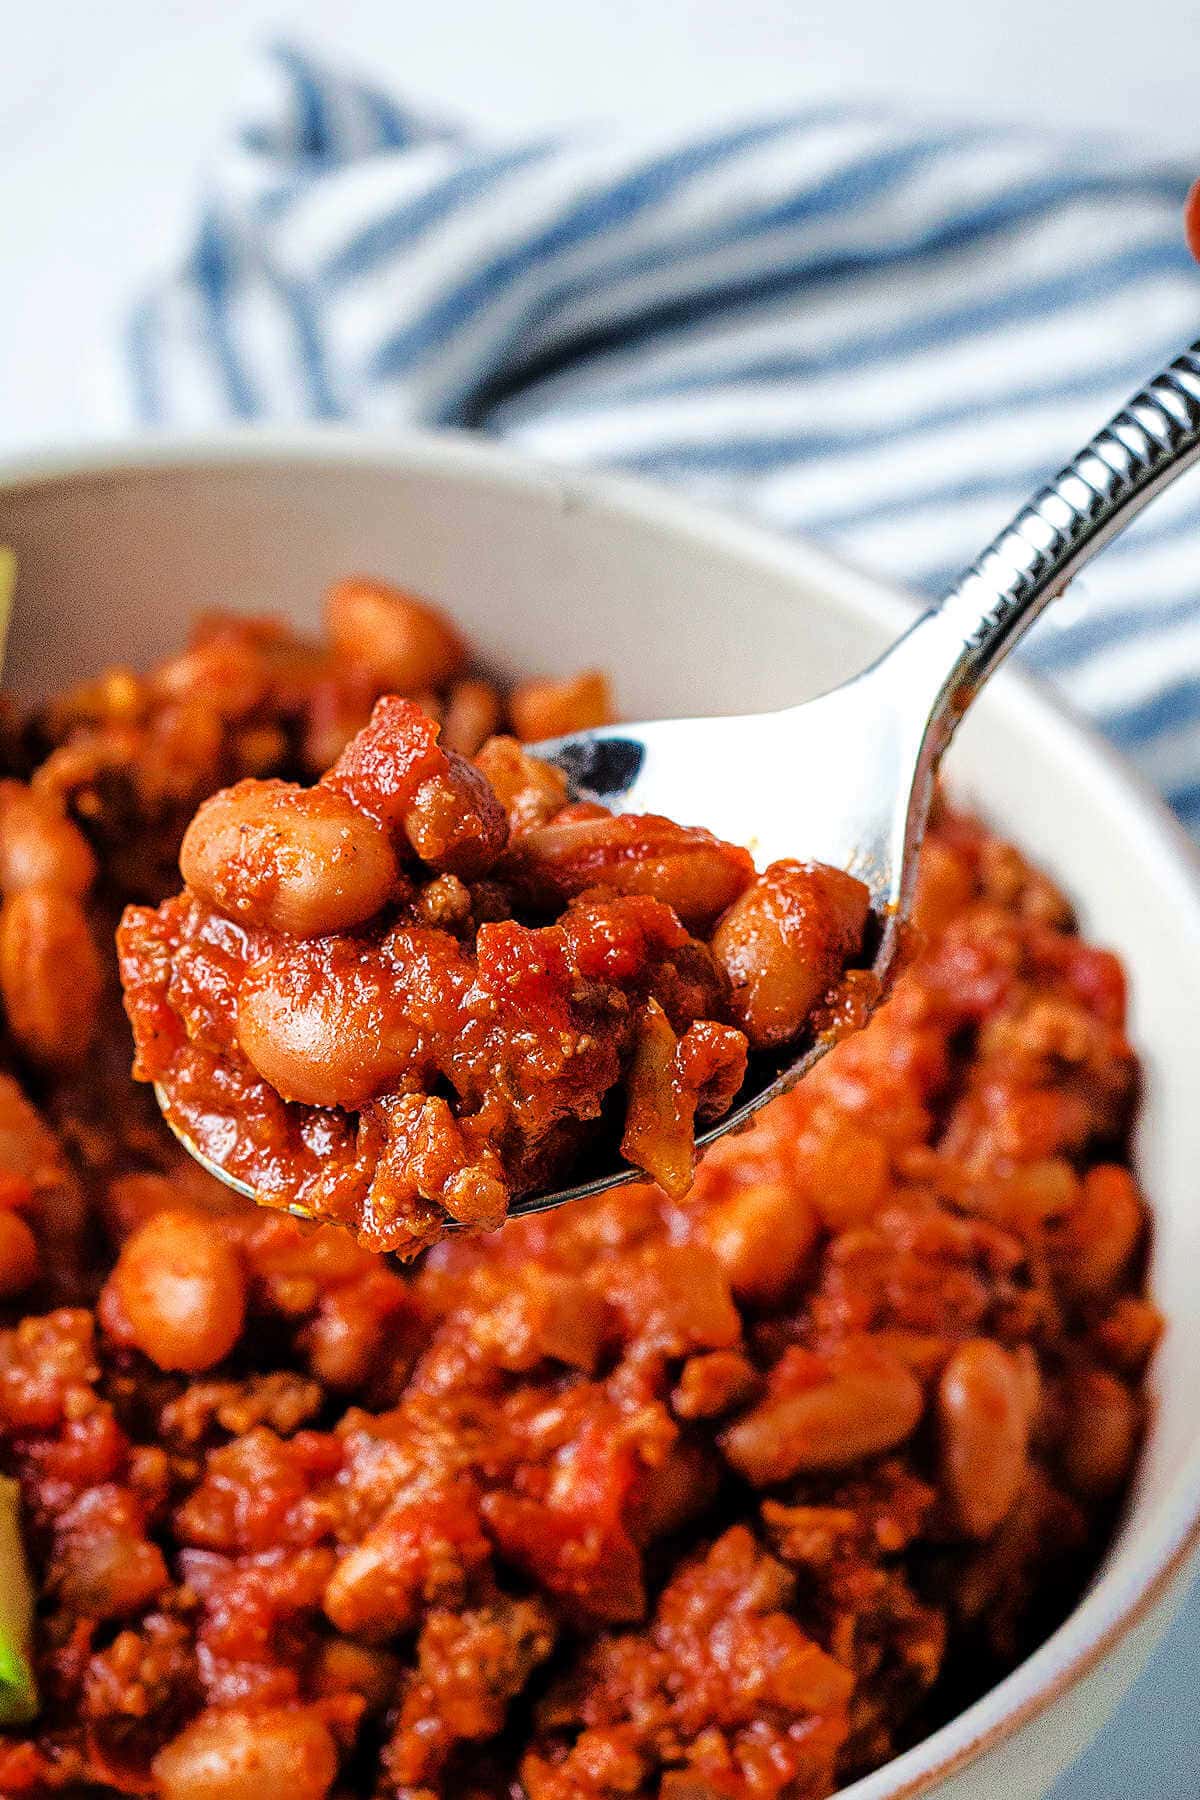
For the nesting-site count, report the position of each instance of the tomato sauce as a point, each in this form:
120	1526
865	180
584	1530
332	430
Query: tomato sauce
722	1495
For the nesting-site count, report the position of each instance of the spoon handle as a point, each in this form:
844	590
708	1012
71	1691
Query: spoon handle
1152	440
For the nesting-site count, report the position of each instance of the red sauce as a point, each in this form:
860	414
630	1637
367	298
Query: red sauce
389	1001
723	1497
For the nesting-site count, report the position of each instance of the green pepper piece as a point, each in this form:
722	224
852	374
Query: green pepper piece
18	1690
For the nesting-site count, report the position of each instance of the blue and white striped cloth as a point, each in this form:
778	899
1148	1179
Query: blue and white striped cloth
841	322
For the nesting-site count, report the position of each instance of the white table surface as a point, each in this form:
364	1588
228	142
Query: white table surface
109	108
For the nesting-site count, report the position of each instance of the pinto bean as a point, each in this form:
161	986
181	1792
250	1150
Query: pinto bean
762	1234
472	714
785	941
237	1755
300	860
20	1264
30	1153
178	1292
39	845
687	868
311	1021
550	709
404	642
825	1413
50	975
984	1420
1103	1423
1092	1244
844	1169
945	885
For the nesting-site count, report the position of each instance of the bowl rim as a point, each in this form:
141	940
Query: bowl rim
1117	1599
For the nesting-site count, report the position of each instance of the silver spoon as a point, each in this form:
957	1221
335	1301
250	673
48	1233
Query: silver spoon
876	741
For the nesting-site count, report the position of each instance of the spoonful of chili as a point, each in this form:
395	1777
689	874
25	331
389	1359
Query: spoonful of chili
429	993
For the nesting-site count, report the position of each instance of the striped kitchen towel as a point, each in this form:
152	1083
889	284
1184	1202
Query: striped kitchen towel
842	322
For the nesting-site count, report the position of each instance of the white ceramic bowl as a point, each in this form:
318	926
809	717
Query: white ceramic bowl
694	612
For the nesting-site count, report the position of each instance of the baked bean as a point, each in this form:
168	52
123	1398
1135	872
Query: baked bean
336	713
550	709
860	1299
405	643
1127	1335
762	1235
20	1264
300	860
276	1753
228	672
1093	1244
688	868
472	715
785	941
312	1026
39	845
178	1293
1102	1424
945	885
431	704
31	1154
825	1413
844	1170
50	975
129	1200
1027	1196
530	791
984	1420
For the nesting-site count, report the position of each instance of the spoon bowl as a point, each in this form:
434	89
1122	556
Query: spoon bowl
847	778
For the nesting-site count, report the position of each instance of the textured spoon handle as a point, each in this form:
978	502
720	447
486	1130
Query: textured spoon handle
1153	439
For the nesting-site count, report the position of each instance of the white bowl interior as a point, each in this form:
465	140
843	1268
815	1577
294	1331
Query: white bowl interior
694	614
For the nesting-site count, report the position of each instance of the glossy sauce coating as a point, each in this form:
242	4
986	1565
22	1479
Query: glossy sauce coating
401	996
725	1497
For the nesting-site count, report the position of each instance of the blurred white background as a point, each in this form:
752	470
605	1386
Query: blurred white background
109	111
